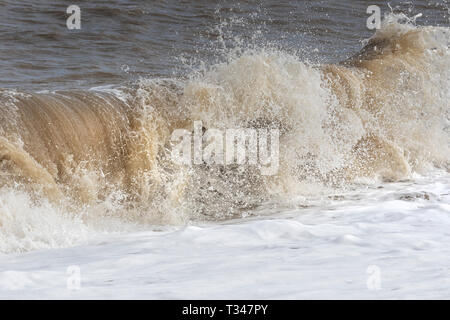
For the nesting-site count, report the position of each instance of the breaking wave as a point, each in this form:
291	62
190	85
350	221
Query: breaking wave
105	153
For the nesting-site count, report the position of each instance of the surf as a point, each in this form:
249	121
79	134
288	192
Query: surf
382	115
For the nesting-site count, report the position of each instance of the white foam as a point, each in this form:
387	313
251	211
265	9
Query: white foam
400	231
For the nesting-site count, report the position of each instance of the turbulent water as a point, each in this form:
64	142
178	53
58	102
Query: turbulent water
88	149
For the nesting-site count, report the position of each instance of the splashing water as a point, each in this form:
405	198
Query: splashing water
98	160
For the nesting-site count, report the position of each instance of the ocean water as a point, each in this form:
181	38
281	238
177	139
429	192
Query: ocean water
358	206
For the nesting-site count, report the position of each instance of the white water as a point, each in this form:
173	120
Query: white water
318	252
328	249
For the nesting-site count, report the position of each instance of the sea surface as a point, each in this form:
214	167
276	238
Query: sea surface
92	204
